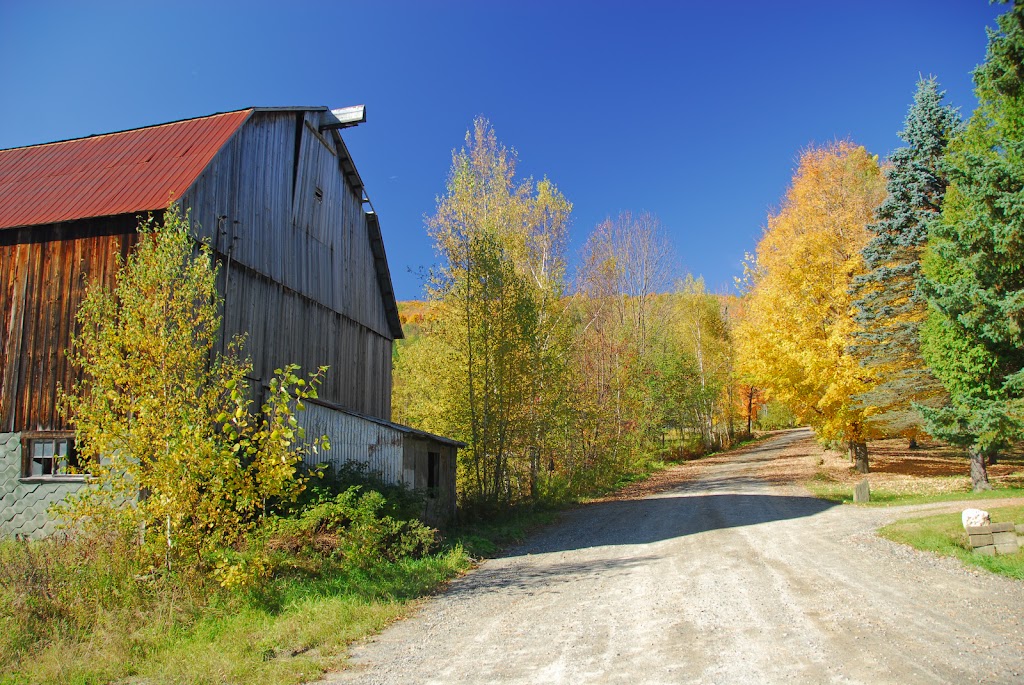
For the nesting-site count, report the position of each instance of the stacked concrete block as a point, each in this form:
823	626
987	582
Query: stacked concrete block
993	539
25	503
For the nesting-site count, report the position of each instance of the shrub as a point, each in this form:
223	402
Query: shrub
165	425
352	528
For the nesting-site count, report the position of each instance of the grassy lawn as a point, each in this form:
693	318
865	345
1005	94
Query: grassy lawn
944	535
883	497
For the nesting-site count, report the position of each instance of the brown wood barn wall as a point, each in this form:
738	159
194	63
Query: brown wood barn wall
43	274
296	258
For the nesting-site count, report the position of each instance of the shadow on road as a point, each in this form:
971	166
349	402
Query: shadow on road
547	578
638	522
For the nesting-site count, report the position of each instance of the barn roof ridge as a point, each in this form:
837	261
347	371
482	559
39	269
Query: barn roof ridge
251	108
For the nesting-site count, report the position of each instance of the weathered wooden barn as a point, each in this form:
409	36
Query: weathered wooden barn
303	275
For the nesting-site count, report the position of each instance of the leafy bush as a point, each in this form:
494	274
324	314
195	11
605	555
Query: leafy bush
167	426
329	480
353	527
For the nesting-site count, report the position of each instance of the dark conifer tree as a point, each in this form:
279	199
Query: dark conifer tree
889	306
974	339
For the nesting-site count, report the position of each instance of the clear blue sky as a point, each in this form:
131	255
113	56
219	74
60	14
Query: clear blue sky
695	111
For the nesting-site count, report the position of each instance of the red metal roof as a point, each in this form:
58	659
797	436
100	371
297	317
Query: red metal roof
116	173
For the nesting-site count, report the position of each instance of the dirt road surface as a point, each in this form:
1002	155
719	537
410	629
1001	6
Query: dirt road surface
726	575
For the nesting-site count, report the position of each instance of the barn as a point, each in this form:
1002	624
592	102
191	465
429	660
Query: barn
303	274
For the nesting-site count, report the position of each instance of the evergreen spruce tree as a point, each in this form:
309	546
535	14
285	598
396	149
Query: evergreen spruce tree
974	271
889	307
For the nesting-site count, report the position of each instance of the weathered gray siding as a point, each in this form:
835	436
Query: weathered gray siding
298	264
439	506
396	454
24	502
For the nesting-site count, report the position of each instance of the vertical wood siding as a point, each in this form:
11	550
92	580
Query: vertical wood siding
440	508
43	274
301	283
297	274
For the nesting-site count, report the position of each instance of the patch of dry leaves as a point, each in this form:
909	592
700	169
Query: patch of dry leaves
933	467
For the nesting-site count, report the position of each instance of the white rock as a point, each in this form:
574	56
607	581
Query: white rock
974	518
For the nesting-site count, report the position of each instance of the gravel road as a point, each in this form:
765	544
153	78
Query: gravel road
725	575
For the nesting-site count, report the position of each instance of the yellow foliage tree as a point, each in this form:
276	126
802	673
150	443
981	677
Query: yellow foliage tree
495	358
798	323
165	425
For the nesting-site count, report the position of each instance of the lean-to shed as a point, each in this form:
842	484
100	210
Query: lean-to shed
303	275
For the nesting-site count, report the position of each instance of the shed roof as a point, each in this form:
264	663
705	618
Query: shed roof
407	430
140	170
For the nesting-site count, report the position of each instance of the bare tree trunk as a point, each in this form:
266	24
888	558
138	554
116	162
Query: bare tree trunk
979	474
992	457
859	454
534	470
913	444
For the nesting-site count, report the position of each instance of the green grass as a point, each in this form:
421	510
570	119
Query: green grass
486	538
290	632
944	535
823	487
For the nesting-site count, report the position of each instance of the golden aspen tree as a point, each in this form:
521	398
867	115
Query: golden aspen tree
798	326
497	322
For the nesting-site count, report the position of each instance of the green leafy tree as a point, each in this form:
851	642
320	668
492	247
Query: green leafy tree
164	424
702	335
627	266
975	266
890	307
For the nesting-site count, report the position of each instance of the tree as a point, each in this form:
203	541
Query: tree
703	337
890	307
975	264
797	327
498	319
627	262
163	423
630	259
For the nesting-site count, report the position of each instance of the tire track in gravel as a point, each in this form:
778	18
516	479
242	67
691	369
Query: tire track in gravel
719	577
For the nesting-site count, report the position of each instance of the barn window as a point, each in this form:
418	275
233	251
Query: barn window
433	473
49	454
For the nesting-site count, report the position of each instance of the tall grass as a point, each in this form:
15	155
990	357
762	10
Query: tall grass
93	610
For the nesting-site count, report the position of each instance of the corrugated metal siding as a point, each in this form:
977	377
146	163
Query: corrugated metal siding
116	173
355	439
